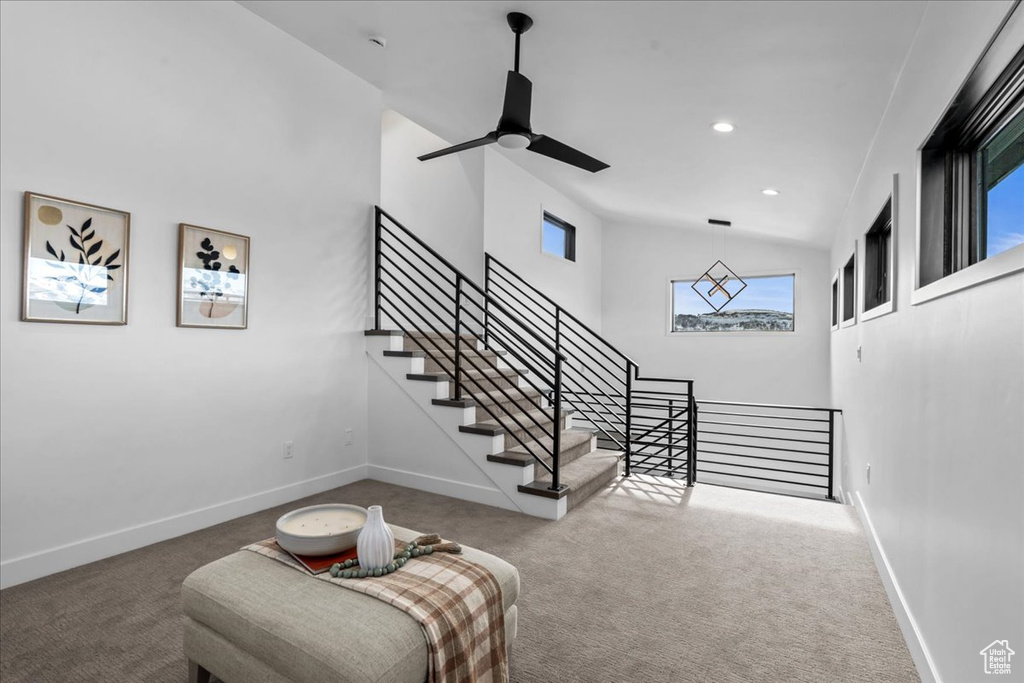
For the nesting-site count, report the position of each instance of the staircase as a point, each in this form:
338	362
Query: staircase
491	383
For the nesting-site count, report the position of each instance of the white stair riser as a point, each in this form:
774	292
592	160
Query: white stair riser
476	446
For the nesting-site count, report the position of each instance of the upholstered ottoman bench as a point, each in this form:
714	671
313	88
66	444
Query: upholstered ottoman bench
252	619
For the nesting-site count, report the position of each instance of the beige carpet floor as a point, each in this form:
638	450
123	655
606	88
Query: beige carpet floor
646	581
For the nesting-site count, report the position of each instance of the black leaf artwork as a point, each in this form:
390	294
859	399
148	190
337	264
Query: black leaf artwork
211	285
88	276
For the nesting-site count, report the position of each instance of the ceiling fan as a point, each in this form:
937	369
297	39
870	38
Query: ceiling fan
513	130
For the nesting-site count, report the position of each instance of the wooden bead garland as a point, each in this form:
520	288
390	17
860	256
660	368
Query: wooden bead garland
347	569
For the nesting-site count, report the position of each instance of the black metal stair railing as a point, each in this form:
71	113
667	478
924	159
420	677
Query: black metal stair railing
596	382
446	315
662	440
657	421
781	444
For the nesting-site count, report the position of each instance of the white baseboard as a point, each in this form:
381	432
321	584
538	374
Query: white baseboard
911	633
442	487
36	565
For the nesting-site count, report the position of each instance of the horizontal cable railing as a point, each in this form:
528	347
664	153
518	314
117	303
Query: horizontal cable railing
661	434
448	317
757	443
595	385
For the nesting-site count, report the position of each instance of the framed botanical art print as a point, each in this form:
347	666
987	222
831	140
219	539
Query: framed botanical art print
213	278
76	262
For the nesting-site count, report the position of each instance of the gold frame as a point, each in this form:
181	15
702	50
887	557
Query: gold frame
182	227
26	240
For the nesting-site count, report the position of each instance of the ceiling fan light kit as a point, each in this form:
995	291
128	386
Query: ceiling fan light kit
514	131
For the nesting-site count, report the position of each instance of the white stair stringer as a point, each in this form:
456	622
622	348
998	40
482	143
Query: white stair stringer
446	473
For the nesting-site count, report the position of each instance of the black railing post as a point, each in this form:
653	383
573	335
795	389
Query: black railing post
629	418
487	300
376	268
558	328
831	448
556	427
458	337
691	446
671	432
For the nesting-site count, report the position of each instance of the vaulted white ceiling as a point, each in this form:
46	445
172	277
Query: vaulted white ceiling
638	85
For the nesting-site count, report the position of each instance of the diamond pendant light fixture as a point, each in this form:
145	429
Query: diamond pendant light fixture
719	284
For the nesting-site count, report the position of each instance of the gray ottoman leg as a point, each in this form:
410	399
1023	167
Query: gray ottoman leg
197	674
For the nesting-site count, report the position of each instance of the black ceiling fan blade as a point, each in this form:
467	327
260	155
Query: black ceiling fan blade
549	147
515	115
479	142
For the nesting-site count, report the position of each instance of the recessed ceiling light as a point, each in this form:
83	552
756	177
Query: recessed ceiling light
723	127
769	191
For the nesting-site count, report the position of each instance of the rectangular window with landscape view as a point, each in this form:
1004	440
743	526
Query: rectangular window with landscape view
766	304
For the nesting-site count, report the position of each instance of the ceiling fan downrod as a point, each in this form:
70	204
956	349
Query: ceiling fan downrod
520	24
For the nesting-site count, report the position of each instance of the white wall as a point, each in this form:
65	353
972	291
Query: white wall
441	200
936	405
114	437
513	208
640	261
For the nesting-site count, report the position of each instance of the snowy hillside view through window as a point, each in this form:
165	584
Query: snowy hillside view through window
765	305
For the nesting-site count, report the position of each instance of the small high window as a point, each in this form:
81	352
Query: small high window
849	289
878	260
558	238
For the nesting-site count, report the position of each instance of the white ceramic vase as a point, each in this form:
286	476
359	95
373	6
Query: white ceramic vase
376	544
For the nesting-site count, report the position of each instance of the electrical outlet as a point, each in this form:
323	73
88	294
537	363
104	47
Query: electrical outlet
350	437
869	473
289	446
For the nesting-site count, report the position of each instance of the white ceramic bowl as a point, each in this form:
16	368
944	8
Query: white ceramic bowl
321	529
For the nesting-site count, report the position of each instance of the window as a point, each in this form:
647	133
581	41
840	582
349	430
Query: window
765	305
849	289
878	261
1001	190
972	171
558	238
835	299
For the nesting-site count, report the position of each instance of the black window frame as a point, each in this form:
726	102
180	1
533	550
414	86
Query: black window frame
848	289
952	231
836	279
570	236
878	260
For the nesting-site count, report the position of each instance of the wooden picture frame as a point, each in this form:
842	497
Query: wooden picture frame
213	278
75	267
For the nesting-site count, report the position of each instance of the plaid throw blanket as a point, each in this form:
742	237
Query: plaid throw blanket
456	602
